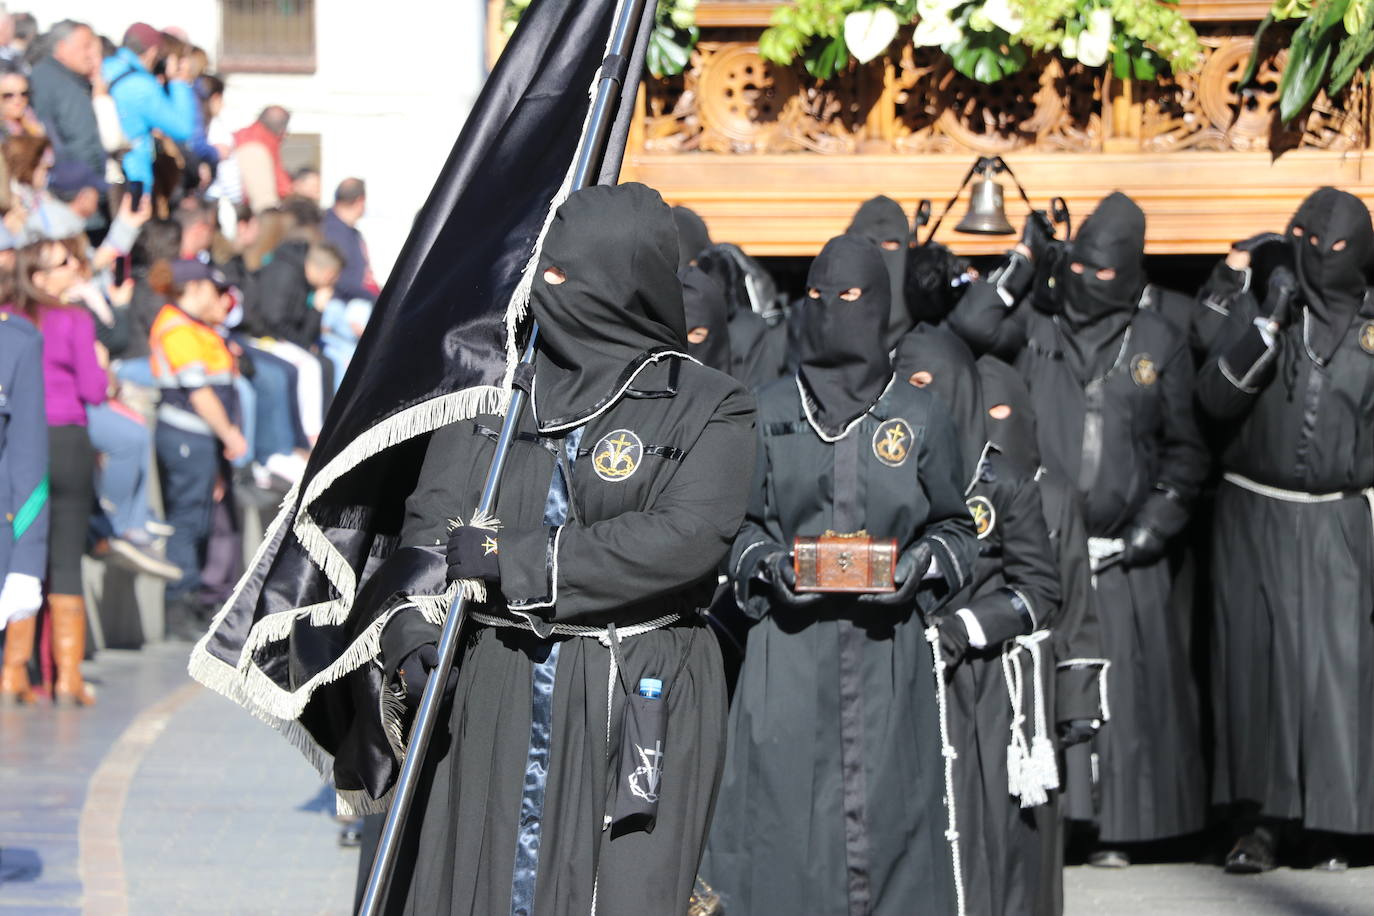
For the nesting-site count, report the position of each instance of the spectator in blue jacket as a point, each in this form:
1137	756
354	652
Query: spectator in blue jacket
144	104
341	230
24	489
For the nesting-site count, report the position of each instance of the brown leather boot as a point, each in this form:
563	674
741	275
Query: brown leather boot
14	679
69	648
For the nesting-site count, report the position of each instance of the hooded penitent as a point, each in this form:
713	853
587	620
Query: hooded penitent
882	222
844	363
937	360
1332	243
1010	420
692	235
703	301
1097	310
619	305
758	352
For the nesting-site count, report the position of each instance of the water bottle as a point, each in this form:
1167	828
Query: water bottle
650	687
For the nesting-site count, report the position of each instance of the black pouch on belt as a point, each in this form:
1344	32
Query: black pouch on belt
643	743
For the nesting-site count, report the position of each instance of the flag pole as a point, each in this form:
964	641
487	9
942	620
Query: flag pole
614	76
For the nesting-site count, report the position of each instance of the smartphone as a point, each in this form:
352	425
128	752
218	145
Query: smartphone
121	270
135	194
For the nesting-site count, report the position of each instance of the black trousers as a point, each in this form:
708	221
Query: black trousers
71	475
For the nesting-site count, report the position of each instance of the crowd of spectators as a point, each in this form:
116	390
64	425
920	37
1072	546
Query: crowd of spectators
197	308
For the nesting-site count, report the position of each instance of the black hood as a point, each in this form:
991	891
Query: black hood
620	303
748	287
881	220
1097	311
1010	418
931	270
1332	282
939	361
703	300
843	358
692	235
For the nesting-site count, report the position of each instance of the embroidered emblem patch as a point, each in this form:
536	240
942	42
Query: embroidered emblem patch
984	516
645	778
1367	337
892	442
617	456
1143	370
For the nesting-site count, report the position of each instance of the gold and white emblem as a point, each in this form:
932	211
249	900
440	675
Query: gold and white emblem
617	456
892	442
984	516
1143	370
1367	337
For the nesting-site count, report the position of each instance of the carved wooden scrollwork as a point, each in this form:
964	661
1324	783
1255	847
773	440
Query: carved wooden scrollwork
731	101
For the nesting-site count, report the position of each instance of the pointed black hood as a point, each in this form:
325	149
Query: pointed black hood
621	301
1332	281
843	358
882	221
692	235
1097	311
937	360
703	301
1010	417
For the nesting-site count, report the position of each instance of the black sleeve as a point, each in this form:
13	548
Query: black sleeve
755	541
1080	668
576	569
1240	368
1029	600
949	527
1183	459
987	324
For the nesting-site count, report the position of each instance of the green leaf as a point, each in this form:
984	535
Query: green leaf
1354	50
1252	66
986	56
825	60
1145	67
1121	65
1308	58
667	54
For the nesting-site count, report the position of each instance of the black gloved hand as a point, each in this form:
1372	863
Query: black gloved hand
954	643
1076	731
415	669
911	569
777	569
1037	234
1278	299
1143	547
472	554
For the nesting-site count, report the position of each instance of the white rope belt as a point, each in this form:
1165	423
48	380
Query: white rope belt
932	635
1297	496
1031	768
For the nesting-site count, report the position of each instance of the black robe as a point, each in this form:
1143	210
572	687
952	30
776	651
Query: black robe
832	802
634	549
1128	441
1015	592
1292	679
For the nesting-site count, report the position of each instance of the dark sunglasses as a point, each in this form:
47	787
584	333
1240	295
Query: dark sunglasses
14	95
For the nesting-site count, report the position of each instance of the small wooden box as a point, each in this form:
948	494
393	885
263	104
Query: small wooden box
844	563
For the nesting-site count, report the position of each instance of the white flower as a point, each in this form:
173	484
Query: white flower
1002	15
936	30
1095	41
1069	46
867	33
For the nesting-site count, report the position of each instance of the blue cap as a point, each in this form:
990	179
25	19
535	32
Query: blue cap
650	687
68	176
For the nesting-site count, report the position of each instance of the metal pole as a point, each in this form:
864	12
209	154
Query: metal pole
613	75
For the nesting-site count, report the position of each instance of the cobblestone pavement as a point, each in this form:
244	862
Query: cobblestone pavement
166	799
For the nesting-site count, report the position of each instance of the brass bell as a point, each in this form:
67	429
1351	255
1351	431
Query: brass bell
987	213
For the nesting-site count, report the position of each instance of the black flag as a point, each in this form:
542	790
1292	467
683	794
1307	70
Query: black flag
440	347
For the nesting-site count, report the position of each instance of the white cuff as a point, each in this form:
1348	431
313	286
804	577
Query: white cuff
20	598
976	637
1265	326
934	571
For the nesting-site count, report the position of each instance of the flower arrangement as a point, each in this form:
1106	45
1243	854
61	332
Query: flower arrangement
987	40
1331	45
